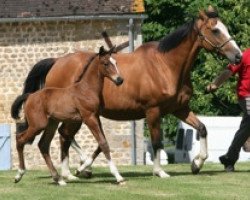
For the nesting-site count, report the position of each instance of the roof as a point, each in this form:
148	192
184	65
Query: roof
62	8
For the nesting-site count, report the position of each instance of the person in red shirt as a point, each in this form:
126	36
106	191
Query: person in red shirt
243	92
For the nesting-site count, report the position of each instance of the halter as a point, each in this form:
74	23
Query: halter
216	47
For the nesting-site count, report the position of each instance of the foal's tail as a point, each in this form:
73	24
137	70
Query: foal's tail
37	75
17	104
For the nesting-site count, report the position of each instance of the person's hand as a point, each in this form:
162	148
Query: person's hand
211	87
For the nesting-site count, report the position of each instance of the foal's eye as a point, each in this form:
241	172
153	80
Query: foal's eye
216	31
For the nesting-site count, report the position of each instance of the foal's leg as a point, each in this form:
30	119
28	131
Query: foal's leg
67	132
189	117
44	145
154	121
95	127
21	140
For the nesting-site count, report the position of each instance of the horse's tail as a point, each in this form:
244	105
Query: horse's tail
37	75
17	104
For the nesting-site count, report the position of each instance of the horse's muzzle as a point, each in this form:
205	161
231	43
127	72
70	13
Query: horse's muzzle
119	80
238	58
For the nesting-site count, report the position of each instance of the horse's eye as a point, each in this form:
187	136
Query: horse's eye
216	31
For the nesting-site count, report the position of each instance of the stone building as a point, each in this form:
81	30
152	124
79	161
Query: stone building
33	30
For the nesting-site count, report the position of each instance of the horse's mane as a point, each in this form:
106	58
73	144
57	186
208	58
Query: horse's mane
86	66
174	39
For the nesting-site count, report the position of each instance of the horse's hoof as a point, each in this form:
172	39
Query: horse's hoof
195	169
61	183
121	183
161	174
84	174
87	174
77	173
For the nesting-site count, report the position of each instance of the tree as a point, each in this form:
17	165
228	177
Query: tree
164	16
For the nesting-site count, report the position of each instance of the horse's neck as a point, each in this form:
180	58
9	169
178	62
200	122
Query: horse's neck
187	52
93	77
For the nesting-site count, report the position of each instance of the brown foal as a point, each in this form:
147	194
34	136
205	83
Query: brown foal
79	102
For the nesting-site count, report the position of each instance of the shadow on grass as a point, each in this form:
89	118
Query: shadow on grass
107	177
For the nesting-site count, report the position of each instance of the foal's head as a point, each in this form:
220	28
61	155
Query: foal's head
214	35
108	67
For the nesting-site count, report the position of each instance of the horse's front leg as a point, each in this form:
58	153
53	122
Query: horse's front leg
190	118
154	120
94	124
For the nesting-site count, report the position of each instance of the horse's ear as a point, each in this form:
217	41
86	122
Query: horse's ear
102	51
203	15
113	49
211	9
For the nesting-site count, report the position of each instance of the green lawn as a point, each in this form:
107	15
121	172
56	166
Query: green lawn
212	183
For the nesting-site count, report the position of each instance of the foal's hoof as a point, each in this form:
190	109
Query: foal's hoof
17	180
195	169
70	177
61	182
161	174
121	183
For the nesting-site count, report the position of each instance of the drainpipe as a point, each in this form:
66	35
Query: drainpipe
133	124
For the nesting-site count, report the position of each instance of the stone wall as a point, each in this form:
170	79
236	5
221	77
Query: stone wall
22	44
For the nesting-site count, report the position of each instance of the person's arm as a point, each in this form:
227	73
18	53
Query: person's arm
219	80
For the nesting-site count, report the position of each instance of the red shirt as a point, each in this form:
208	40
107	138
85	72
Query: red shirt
243	69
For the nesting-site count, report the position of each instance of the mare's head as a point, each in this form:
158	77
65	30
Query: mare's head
108	67
214	36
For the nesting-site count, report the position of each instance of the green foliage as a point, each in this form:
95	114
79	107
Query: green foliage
164	16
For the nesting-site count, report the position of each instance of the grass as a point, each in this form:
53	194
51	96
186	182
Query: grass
212	183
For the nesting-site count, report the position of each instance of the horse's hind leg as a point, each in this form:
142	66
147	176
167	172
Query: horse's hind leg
154	120
189	117
95	127
44	145
67	132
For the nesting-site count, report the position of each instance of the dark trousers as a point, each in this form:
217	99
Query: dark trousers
243	132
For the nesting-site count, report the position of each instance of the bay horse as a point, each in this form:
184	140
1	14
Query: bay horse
78	102
157	83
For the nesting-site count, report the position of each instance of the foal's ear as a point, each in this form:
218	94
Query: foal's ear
102	51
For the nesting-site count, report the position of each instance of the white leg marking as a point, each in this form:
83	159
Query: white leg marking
19	175
158	171
200	159
86	164
66	174
115	172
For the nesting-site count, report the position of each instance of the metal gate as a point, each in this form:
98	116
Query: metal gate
5	153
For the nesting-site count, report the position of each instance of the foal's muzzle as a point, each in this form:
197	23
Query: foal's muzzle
119	80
